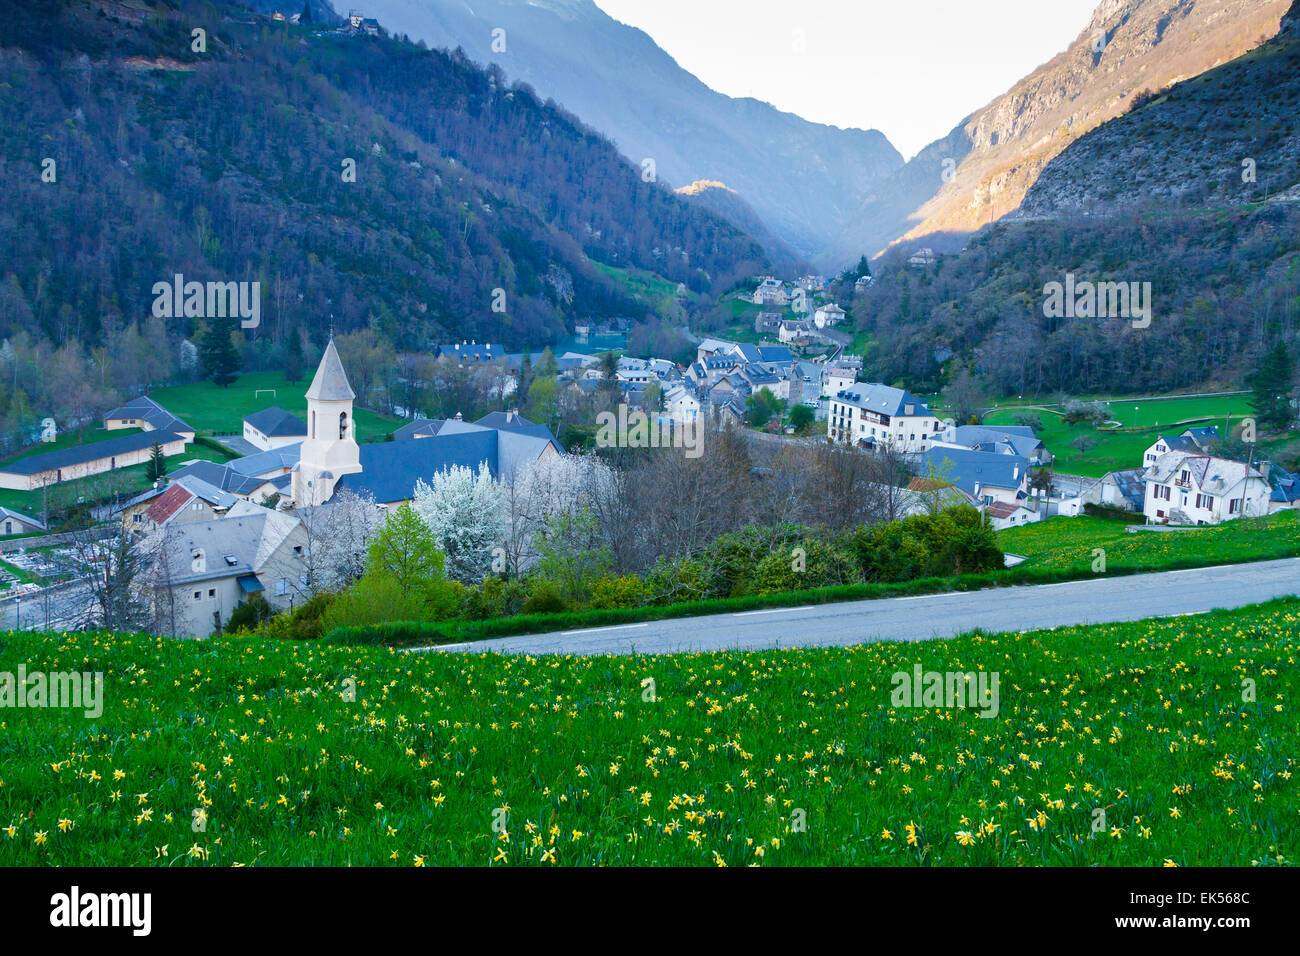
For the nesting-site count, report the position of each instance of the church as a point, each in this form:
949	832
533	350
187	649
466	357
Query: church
330	459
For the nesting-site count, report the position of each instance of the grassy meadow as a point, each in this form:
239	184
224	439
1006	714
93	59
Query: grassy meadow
214	410
1069	544
1181	731
1141	421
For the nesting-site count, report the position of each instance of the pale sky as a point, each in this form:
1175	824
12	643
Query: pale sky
911	69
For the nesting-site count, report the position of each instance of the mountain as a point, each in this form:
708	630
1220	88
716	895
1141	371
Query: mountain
1129	49
803	179
365	182
728	204
1226	137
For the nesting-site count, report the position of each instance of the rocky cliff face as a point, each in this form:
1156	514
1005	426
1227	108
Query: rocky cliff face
1226	137
1129	49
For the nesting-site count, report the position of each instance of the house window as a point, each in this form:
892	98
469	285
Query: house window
1234	505
282	586
302	580
212	592
198	595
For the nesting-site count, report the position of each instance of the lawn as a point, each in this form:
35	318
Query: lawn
1138	744
214	410
1141	422
1070	544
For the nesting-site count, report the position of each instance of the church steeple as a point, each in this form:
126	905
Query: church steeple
330	450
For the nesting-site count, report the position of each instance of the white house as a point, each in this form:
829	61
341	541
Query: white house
681	405
1193	441
792	331
837	378
878	414
828	316
1183	488
1002	515
273	428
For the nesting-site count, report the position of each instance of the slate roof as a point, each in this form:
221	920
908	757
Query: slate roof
1131	484
330	383
472	352
1018	439
1212	476
420	428
1286	486
249	540
964	468
265	462
146	409
82	454
221	477
390	470
882	399
19	516
275	422
776	353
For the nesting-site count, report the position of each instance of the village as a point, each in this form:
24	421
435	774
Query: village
227	530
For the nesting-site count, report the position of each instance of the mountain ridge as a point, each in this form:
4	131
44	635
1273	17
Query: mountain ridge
803	179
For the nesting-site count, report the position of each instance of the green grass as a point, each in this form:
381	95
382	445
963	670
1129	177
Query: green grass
214	410
1069	544
1121	448
791	757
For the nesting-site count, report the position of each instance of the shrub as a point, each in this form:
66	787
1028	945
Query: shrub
303	623
612	592
814	564
374	599
544	599
248	615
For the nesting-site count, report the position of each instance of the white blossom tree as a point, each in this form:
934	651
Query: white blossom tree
466	512
554	487
338	534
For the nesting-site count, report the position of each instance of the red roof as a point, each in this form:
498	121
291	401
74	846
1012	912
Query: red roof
168	503
1000	509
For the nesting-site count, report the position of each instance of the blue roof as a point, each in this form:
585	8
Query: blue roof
389	470
1286	486
964	468
82	454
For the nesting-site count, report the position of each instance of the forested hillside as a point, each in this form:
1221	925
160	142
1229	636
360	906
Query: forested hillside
130	154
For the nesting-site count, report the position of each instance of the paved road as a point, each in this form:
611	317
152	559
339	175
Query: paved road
1093	601
62	608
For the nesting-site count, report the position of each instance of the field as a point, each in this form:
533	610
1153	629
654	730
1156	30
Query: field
214	410
1168	742
1070	544
1141	422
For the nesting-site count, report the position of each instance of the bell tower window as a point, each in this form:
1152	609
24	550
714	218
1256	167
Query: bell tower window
343	425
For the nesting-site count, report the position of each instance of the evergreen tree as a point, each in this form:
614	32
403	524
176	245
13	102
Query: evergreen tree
217	355
305	17
156	467
1273	382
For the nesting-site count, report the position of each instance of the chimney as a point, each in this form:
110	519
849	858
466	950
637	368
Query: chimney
510	415
459	417
1015	473
1265	469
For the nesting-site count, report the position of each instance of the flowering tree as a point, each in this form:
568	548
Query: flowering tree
465	511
